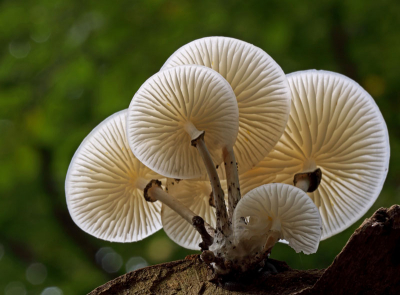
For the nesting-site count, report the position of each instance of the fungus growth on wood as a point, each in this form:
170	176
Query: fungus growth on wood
231	155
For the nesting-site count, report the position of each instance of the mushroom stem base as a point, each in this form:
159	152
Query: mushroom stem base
241	256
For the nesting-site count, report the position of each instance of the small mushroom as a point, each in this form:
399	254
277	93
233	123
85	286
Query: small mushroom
104	186
195	195
334	126
277	211
171	112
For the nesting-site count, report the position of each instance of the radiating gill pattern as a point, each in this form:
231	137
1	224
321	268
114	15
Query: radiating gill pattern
260	87
102	193
165	103
195	195
284	208
335	125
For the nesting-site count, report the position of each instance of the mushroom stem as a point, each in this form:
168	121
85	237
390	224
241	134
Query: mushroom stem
192	130
199	224
232	179
153	192
303	184
308	181
218	193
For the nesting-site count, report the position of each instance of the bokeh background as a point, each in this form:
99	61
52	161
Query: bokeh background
67	65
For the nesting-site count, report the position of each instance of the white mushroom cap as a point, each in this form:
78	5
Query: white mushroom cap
279	208
335	125
167	106
260	86
104	186
195	195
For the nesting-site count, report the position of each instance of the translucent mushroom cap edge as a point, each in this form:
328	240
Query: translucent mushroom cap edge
104	186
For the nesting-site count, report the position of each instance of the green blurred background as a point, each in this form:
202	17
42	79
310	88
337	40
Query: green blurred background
67	65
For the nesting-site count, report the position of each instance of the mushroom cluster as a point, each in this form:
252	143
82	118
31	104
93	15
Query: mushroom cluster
309	151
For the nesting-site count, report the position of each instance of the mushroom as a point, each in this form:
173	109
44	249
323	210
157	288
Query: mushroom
107	189
334	126
276	211
262	217
262	93
260	86
104	186
196	196
173	110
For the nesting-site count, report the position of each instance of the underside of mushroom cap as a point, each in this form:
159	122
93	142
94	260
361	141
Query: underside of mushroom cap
280	208
334	125
195	195
169	104
101	187
260	86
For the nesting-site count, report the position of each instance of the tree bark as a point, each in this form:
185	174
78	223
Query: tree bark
370	261
368	264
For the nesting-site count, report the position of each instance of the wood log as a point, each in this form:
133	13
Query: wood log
370	261
368	264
